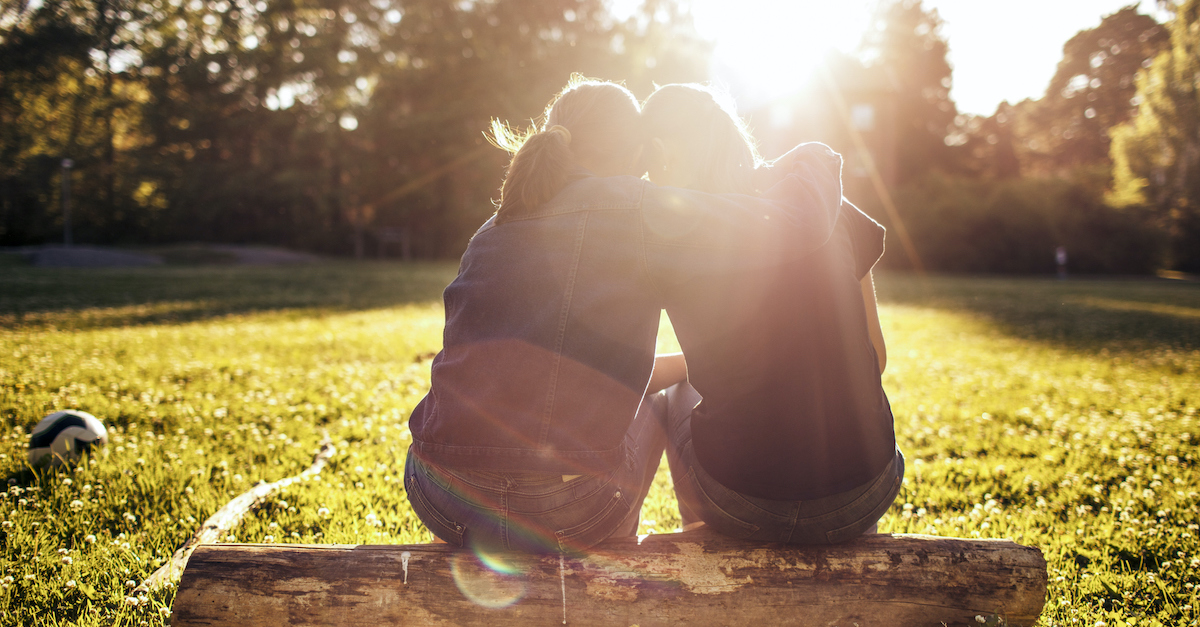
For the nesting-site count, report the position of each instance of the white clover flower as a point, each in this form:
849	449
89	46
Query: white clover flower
324	511
980	619
130	517
7	579
268	538
130	583
63	551
89	538
30	577
164	612
70	584
66	559
131	601
273	525
6	524
67	481
231	538
76	505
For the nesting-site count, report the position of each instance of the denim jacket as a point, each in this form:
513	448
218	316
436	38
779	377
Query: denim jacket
551	323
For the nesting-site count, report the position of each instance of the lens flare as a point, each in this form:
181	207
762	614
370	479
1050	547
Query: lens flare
488	579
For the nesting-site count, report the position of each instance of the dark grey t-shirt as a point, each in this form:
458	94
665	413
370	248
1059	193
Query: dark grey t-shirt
793	404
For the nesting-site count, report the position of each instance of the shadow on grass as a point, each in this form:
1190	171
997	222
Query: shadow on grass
1088	315
115	297
1084	315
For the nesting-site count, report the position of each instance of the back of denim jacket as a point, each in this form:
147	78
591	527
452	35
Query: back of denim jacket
551	322
549	338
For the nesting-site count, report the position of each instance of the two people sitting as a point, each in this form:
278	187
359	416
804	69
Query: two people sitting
549	411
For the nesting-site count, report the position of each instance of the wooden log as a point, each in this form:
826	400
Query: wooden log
692	578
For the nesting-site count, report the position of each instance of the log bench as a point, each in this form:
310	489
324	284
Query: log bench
690	578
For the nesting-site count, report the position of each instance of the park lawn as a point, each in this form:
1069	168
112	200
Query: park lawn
1059	414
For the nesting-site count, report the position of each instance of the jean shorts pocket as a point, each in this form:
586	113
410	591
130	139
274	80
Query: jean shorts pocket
596	528
855	529
712	513
441	526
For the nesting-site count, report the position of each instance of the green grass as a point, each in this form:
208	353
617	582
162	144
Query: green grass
1058	414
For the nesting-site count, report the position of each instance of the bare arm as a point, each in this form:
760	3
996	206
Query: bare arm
669	369
873	328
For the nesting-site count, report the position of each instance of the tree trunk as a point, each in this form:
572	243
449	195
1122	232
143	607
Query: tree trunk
691	578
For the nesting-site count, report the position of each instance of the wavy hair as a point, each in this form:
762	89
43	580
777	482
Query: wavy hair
590	124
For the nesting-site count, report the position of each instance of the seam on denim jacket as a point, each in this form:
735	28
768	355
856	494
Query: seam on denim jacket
544	430
641	205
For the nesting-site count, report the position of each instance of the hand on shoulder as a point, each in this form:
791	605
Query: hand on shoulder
813	155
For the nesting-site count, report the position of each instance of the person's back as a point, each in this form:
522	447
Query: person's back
791	436
793	404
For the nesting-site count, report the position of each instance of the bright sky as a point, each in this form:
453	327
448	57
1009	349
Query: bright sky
999	50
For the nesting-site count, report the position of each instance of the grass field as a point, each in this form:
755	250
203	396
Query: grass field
1060	414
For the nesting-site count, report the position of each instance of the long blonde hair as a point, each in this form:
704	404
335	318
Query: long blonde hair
704	122
589	124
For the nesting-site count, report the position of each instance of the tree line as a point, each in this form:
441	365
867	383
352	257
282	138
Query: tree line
1104	164
354	126
316	124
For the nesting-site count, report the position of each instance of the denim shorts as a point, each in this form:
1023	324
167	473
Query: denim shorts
829	520
537	512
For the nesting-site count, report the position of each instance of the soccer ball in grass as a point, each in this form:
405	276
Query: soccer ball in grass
61	437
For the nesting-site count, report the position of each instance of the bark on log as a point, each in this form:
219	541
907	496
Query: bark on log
692	578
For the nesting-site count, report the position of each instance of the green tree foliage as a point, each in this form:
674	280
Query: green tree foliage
313	123
961	224
986	217
987	145
1156	155
1092	91
906	40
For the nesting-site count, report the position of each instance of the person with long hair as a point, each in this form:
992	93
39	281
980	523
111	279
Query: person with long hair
781	431
530	437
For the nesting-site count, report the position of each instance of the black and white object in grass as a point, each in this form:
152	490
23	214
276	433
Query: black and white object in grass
63	436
